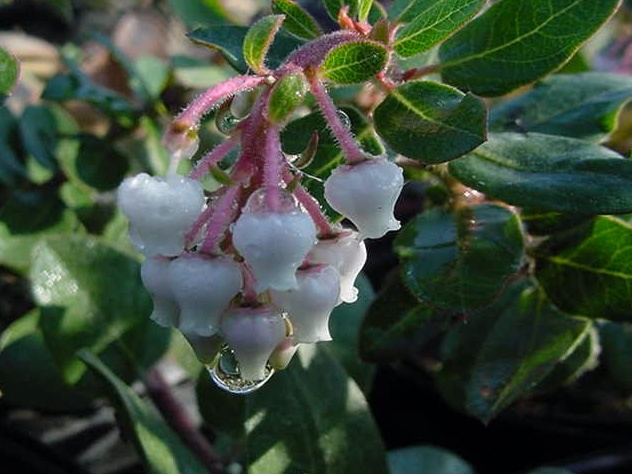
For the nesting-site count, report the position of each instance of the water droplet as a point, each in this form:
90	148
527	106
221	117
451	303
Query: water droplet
225	373
225	121
344	118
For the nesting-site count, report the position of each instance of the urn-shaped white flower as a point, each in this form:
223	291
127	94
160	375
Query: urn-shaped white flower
346	253
365	193
283	353
203	288
160	211
273	243
310	304
154	274
252	334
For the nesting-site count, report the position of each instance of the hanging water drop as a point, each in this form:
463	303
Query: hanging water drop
226	375
225	121
344	118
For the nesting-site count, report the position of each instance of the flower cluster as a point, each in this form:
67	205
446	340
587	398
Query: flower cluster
255	265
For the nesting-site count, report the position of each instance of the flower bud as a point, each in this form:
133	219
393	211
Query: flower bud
347	254
154	274
203	288
365	193
310	305
273	243
160	211
253	334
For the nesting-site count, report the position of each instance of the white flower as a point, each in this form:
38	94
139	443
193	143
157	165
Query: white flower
160	211
310	304
347	254
153	273
274	244
283	353
203	288
253	334
365	193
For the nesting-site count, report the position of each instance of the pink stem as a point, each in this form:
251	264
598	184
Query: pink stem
346	141
249	293
199	223
273	167
314	52
220	219
213	157
313	209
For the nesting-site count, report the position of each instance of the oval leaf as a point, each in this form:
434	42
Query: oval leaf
428	22
354	62
9	72
580	273
258	40
549	173
460	262
431	122
297	20
161	449
572	105
516	42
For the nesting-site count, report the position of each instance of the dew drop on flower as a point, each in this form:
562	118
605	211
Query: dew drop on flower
344	118
225	373
225	121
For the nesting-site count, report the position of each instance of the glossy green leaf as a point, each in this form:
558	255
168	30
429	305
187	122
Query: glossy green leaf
258	40
228	40
549	173
364	9
297	20
428	22
77	282
26	217
460	261
310	417
344	325
430	459
515	42
9	72
160	448
588	271
96	164
397	324
27	370
287	94
12	168
616	357
38	130
354	62
572	105
196	13
549	222
431	122
491	363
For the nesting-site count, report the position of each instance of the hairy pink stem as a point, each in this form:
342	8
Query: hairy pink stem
213	157
350	148
314	52
313	209
273	167
221	218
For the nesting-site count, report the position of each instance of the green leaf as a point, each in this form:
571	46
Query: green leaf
152	74
344	325
9	72
588	271
160	448
310	417
616	357
287	94
297	20
12	168
97	164
38	130
428	22
547	222
354	62
515	42
27	217
549	173
364	9
460	262
572	105
420	459
77	281
258	40
195	13
397	324
431	122
506	348
28	371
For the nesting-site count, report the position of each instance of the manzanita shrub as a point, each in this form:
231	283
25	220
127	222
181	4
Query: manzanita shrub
517	269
